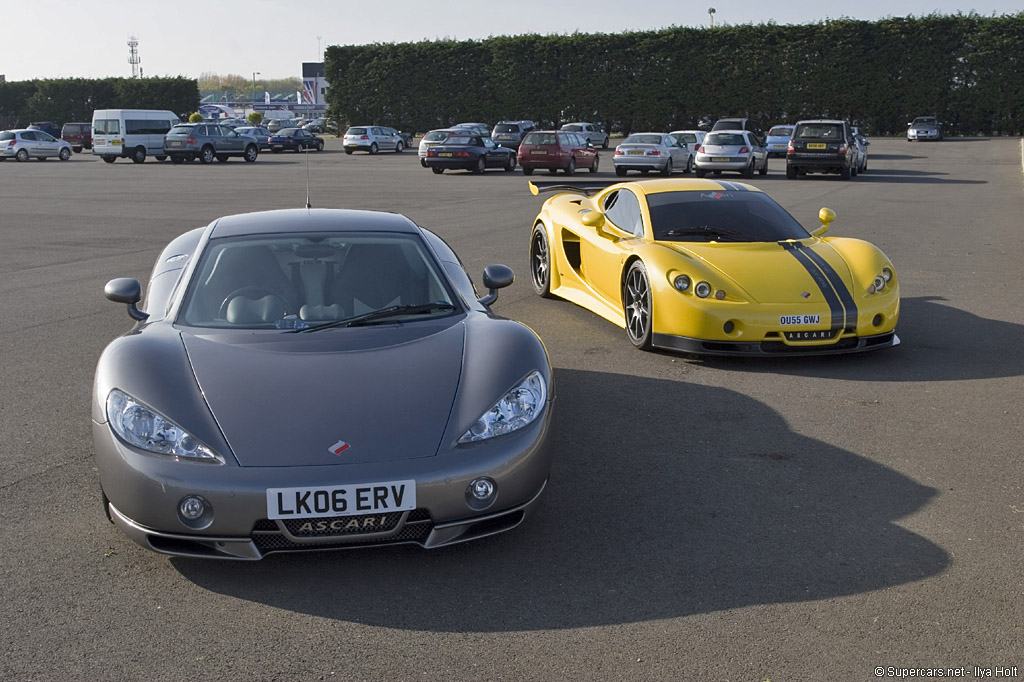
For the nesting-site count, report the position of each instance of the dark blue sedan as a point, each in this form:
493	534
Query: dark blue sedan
469	152
295	139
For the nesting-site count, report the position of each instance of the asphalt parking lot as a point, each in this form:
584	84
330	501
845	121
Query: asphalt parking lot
727	520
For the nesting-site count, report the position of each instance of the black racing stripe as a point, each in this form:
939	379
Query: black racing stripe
732	186
837	283
834	304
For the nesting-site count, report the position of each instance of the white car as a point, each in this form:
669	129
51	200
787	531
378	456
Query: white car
432	139
645	152
25	144
738	151
595	136
373	139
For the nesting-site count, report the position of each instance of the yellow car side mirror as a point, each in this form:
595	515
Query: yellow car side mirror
826	216
592	219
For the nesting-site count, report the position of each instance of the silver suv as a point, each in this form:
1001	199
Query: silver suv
208	141
511	133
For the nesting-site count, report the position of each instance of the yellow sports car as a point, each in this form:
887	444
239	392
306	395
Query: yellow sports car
711	267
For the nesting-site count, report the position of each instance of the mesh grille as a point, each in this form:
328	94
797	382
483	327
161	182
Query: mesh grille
268	537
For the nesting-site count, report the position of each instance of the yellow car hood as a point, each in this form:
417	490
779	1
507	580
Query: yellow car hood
774	272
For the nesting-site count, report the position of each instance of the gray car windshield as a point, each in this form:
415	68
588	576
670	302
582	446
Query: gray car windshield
303	281
743	216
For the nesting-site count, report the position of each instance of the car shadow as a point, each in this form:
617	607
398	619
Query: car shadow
894	157
895	175
682	499
938	343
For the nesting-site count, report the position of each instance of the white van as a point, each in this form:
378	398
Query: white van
130	133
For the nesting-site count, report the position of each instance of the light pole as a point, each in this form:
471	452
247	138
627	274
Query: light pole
254	74
318	48
711	16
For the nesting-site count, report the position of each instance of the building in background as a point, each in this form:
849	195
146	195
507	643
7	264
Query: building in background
314	86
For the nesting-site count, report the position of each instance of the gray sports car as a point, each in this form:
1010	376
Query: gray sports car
317	379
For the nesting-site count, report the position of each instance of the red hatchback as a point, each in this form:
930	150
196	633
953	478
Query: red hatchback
557	150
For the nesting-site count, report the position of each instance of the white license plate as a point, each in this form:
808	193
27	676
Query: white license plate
340	500
799	319
721	159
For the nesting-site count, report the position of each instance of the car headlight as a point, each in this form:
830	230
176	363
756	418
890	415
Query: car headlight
149	430
880	281
517	408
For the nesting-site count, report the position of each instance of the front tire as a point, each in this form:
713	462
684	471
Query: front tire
399	147
540	262
636	306
251	152
65	154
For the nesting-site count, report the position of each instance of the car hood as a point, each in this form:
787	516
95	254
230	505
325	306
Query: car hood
294	399
767	272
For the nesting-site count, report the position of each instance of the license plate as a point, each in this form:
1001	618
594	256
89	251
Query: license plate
778	146
277	146
444	153
541	152
340	500
173	143
799	319
721	159
817	145
636	152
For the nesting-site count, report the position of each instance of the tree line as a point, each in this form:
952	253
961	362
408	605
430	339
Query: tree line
966	69
74	99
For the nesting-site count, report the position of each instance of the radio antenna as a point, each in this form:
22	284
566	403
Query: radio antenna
308	205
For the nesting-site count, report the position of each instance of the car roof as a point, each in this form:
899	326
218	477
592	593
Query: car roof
310	220
821	120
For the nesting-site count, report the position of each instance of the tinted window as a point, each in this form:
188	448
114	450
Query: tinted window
820	131
688	138
356	131
181	130
6	135
436	135
572	127
462	139
506	128
145	127
622	208
720	216
288	132
781	131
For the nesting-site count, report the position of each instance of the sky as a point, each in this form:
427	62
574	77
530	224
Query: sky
76	39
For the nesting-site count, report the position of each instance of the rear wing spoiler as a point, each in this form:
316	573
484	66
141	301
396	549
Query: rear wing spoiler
588	189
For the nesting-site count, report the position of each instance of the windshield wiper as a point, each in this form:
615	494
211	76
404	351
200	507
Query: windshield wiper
707	231
374	315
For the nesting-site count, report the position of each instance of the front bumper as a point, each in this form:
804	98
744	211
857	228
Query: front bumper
923	135
144	492
777	347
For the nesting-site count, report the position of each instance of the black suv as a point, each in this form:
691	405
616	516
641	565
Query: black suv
824	146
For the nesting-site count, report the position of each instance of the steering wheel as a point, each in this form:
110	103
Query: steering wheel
246	291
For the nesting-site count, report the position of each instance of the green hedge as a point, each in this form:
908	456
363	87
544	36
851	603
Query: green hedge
74	99
966	69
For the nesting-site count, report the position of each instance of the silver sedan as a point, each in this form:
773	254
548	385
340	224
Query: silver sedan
738	151
645	152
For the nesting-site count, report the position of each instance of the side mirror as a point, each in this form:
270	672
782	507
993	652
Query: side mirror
592	219
126	290
496	277
826	216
